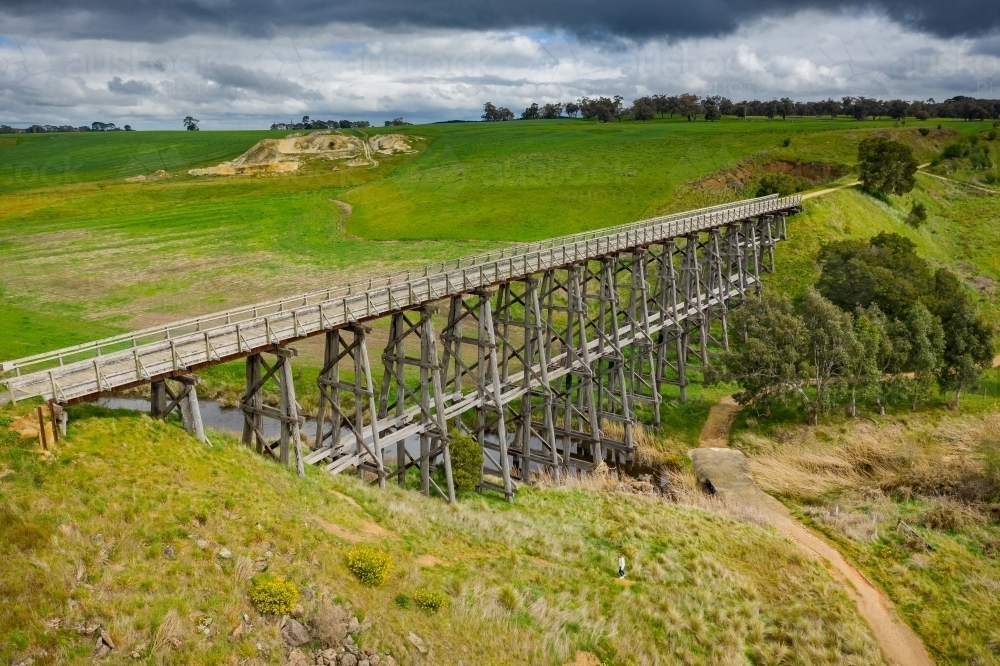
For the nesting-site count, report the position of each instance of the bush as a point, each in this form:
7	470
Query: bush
429	600
991	135
466	461
917	216
776	183
947	514
402	601
955	150
370	565
5	420
787	141
273	595
924	131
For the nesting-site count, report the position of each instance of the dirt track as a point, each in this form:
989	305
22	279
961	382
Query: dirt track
725	470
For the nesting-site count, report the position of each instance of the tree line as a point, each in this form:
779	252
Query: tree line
315	123
96	126
692	107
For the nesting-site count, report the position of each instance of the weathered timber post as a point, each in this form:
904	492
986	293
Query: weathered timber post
191	409
579	420
289	411
536	352
484	372
489	381
252	405
642	349
430	380
328	383
612	394
668	302
158	399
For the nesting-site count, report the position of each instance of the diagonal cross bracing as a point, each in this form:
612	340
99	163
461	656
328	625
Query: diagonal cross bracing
84	372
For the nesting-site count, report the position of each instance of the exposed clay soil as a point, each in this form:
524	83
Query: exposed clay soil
273	156
811	171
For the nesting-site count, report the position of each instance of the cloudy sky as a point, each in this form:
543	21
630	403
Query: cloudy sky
247	63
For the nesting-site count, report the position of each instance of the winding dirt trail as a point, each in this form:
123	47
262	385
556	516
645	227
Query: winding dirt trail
725	471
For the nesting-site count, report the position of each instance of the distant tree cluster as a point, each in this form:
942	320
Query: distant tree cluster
691	106
396	122
314	123
496	114
96	126
880	325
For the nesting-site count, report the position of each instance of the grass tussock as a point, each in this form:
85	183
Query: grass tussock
132	517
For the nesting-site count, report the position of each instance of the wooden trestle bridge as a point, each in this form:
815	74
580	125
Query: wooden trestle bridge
546	349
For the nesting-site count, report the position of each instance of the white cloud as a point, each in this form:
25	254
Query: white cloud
431	74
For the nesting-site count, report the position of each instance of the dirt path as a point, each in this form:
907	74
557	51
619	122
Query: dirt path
725	471
958	182
810	195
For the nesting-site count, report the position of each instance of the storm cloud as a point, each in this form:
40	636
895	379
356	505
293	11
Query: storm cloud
159	20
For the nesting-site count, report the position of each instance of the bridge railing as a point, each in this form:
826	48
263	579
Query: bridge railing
363	299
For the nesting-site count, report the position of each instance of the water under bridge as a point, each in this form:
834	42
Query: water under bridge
545	350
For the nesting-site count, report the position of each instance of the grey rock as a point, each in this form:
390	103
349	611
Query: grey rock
169	552
106	637
225	554
348	660
364	662
329	654
417	642
294	633
201	543
353	625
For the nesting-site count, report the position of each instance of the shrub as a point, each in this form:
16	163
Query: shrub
370	565
429	600
917	216
947	514
466	461
955	150
787	141
991	135
402	601
776	183
273	595
5	420
924	131
991	178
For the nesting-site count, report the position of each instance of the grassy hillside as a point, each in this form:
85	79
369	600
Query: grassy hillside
124	525
911	499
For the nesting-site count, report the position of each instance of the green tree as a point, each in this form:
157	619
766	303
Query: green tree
830	344
766	361
926	349
884	270
968	338
887	167
870	358
917	216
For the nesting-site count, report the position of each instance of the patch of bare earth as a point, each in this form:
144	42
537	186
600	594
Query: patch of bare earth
279	156
364	531
584	659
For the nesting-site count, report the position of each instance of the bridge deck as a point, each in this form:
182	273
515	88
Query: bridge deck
84	372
